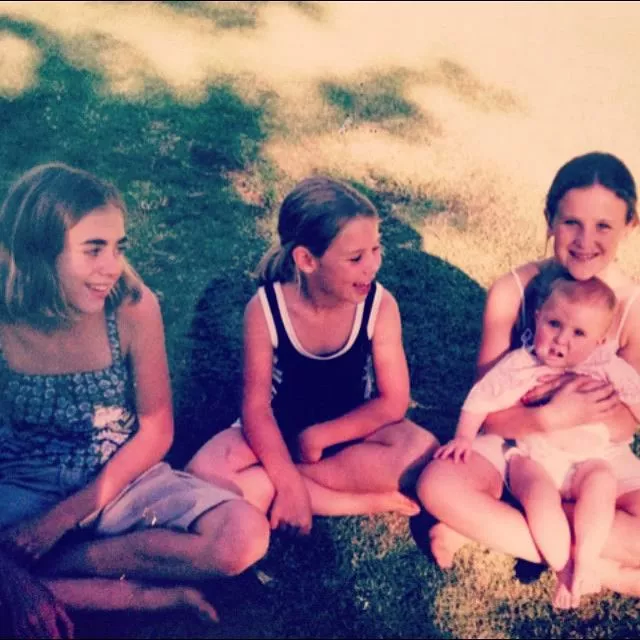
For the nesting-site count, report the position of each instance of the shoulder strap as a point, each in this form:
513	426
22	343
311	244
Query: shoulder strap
371	307
272	314
113	335
521	289
625	313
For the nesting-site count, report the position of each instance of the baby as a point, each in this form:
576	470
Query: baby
572	322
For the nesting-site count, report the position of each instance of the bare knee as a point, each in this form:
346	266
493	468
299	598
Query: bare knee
222	455
237	536
411	444
444	485
435	484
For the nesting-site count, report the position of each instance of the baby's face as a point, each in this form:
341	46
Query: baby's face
568	332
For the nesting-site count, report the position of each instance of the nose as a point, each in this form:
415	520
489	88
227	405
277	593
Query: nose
372	264
562	336
584	237
111	264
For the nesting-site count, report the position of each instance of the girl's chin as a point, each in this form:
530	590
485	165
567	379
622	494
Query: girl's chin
585	269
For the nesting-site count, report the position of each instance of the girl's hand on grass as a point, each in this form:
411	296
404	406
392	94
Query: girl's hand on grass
291	509
33	538
32	610
458	449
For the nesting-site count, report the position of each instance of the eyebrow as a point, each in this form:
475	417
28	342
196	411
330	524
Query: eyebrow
99	242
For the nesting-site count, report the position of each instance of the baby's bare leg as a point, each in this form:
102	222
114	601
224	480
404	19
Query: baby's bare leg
594	490
104	594
388	460
542	503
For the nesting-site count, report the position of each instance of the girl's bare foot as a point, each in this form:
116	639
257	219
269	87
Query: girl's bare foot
445	542
621	579
195	600
395	502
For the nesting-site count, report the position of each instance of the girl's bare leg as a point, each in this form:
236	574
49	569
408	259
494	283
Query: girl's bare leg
229	455
477	486
594	491
226	540
103	594
542	503
620	569
465	497
388	460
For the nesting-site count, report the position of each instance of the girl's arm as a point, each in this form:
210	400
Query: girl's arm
392	382
142	329
291	504
624	424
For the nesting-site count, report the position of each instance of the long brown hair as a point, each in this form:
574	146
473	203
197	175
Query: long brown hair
39	209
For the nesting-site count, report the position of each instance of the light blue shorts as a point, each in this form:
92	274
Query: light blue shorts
160	497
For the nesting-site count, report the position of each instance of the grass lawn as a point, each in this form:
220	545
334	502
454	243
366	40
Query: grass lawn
452	117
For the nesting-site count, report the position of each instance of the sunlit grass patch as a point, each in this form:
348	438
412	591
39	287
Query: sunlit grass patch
18	64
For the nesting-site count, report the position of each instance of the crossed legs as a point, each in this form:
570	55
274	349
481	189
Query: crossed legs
365	477
477	486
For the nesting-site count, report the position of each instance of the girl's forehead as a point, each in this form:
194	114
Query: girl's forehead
595	202
358	229
104	221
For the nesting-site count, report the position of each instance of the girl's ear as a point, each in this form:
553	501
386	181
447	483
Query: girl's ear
304	260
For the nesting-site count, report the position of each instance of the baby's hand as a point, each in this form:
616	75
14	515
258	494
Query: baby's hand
459	449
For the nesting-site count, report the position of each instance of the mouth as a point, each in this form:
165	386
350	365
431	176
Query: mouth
555	352
581	256
362	288
101	290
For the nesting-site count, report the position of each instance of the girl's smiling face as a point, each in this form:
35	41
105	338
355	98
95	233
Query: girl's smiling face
350	264
589	224
92	259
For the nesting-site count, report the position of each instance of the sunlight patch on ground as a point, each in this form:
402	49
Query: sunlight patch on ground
18	65
485	100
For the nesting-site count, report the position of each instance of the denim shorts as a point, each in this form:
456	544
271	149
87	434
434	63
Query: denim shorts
159	497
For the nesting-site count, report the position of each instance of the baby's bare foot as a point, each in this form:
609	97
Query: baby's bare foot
563	598
445	542
586	579
195	600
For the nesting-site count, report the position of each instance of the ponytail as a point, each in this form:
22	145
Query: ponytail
277	265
